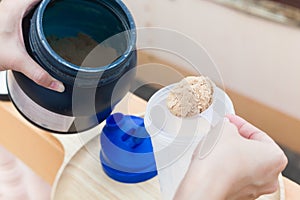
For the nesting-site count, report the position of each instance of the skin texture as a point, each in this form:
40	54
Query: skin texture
243	165
13	55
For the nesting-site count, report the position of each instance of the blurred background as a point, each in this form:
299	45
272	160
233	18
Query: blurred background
254	45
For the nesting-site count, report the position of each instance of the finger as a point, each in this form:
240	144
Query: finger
33	71
270	188
20	8
30	6
249	131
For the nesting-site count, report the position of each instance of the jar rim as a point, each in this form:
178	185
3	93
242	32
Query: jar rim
131	42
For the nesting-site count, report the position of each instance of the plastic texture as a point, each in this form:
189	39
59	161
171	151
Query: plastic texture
174	138
99	19
126	149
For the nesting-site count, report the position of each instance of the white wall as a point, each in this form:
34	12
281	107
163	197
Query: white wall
256	57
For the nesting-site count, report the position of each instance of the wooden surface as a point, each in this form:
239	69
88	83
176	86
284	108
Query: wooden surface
79	175
83	178
40	150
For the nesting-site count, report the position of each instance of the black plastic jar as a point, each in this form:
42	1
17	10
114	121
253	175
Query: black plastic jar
88	98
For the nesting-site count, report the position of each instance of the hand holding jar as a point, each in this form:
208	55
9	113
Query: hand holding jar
13	55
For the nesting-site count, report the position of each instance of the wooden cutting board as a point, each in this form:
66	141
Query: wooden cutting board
82	177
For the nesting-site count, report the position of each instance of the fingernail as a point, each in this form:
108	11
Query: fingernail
57	86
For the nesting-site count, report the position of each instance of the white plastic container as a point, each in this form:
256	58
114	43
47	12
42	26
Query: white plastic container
174	139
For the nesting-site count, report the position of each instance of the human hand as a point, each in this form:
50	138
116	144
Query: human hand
13	54
244	164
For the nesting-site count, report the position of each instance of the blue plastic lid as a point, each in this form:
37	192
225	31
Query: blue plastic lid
126	149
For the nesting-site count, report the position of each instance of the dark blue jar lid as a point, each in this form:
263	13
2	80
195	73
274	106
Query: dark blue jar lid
127	154
106	21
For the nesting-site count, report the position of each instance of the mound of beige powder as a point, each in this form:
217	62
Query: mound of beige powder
76	49
190	96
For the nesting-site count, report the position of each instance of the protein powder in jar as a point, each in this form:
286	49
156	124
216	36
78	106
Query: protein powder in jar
87	89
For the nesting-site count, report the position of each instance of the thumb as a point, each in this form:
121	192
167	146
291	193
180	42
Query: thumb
249	131
32	70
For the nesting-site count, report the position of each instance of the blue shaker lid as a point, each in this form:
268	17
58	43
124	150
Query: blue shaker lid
126	149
